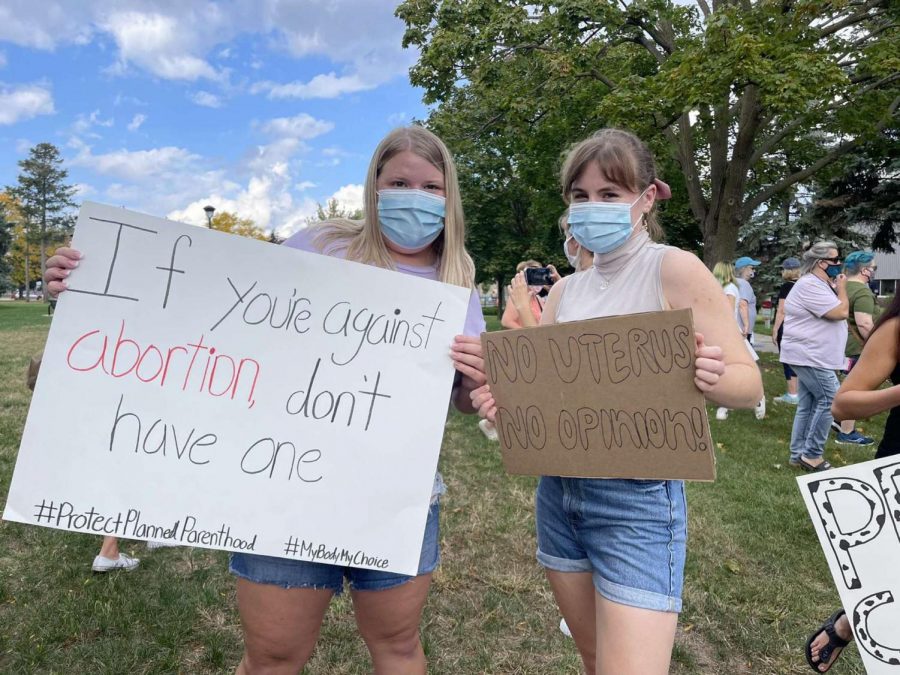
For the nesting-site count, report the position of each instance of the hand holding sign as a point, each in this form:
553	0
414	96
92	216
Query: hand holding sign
58	268
709	365
232	400
608	398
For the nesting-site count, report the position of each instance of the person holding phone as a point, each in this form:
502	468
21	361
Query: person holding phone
614	550
526	293
412	224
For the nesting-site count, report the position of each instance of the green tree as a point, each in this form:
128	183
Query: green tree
726	90
225	221
44	197
5	242
24	259
331	210
860	200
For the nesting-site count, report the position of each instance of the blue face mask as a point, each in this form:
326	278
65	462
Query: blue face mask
411	219
601	227
833	270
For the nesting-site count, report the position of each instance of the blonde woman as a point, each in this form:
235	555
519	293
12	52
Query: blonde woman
413	224
614	550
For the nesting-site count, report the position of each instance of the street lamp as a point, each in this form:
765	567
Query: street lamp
210	210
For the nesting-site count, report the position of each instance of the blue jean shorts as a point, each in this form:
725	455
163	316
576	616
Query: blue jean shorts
630	534
263	569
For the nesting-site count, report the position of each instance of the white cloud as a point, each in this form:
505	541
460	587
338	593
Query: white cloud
305	185
84	123
349	197
398	119
136	122
135	165
321	86
22	102
175	40
206	99
302	127
162	44
83	190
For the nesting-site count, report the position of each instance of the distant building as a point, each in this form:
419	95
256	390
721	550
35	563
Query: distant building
888	271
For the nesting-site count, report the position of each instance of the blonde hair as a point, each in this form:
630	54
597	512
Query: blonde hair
724	273
527	263
791	275
362	238
623	159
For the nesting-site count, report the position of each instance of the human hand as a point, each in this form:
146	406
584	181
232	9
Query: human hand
468	360
840	281
519	293
483	402
58	268
554	275
709	365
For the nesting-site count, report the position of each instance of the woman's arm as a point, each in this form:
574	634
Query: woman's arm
859	395
510	318
725	371
779	319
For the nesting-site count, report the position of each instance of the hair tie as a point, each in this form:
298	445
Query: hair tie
663	191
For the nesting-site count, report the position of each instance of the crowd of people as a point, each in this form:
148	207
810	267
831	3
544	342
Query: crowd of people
613	549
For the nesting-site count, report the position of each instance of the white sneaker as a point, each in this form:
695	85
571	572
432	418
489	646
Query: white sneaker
123	562
564	628
489	430
160	544
722	414
760	410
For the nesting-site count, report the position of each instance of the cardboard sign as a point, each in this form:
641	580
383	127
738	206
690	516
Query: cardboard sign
210	390
856	512
604	398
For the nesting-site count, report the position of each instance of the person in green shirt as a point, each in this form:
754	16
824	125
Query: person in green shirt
860	268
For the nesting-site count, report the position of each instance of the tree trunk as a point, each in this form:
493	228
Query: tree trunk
43	266
720	239
27	276
501	299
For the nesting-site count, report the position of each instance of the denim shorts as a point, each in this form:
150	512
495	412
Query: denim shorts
263	569
630	534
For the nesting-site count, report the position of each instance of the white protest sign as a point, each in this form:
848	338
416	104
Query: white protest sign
856	512
216	391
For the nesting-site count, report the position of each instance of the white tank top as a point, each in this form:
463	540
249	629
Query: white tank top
625	281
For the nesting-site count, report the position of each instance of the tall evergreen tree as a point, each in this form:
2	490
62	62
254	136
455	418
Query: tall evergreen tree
5	242
44	197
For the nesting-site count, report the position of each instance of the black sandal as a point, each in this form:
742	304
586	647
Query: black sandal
835	641
821	466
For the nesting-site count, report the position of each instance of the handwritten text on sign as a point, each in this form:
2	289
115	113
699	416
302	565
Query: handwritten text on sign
856	513
216	391
610	398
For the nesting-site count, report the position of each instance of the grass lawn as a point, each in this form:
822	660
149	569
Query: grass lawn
756	580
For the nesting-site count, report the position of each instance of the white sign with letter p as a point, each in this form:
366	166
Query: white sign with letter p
856	512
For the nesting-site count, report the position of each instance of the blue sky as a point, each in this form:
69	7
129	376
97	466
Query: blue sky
262	107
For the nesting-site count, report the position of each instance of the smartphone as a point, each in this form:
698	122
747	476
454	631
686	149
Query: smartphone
538	276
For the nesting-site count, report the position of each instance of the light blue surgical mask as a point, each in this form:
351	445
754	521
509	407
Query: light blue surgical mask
410	219
573	258
601	227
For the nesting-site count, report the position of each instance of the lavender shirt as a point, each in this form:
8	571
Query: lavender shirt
809	338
